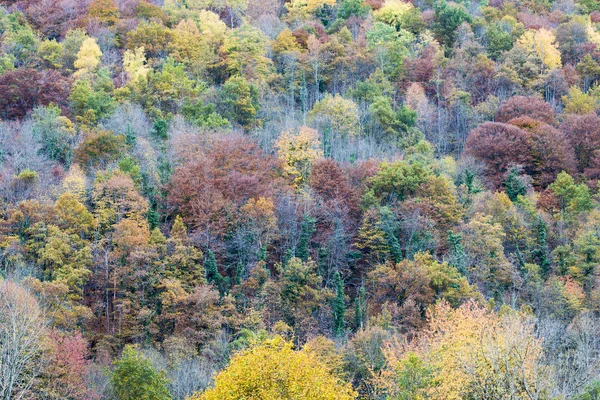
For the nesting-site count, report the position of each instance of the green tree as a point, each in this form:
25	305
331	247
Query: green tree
239	101
514	186
212	271
134	378
339	306
448	17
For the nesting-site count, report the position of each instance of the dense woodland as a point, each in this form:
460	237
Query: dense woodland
303	199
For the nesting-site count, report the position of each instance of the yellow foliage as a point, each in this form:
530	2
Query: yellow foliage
74	182
299	10
472	352
285	42
88	57
542	44
134	63
593	34
578	102
275	371
186	37
339	113
392	11
297	151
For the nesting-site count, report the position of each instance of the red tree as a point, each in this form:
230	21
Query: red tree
211	186
23	89
499	146
583	132
532	107
540	149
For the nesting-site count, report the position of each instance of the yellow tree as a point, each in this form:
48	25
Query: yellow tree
184	45
273	370
470	353
578	102
300	10
541	43
74	182
297	150
88	57
134	63
338	114
105	11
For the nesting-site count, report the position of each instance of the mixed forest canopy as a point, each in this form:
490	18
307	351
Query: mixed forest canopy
303	199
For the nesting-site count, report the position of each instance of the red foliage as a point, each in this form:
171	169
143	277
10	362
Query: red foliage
595	16
550	150
421	69
66	377
583	132
210	187
23	89
532	107
375	4
55	17
338	201
540	149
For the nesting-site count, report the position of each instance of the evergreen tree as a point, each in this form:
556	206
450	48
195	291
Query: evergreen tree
540	252
339	308
212	271
307	228
514	186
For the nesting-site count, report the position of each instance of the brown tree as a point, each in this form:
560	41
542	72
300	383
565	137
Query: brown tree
532	107
23	89
583	132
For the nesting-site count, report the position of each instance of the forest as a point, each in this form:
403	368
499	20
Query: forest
300	199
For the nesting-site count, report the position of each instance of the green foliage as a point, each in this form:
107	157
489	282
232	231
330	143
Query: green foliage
573	198
134	378
239	102
448	18
339	306
514	186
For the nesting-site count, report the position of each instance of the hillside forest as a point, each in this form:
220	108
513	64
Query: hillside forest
299	199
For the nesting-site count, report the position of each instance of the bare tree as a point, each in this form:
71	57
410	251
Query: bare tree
22	327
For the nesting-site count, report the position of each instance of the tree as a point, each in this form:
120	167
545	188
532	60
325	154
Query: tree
339	306
540	149
134	63
298	150
541	44
533	107
67	374
22	330
471	352
448	17
23	89
583	131
336	113
152	36
56	133
514	186
578	102
212	271
408	288
239	101
99	148
133	377
273	370
571	197
244	50
88	57
106	11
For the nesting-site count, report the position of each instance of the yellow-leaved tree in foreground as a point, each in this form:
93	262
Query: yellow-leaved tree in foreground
469	353
273	370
